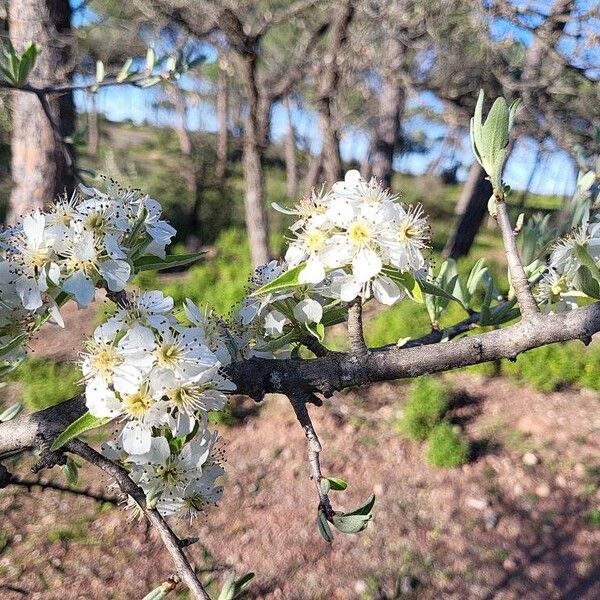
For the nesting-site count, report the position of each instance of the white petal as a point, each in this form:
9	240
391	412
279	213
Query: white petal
366	264
137	438
386	291
29	292
100	399
274	323
116	273
82	288
313	272
308	311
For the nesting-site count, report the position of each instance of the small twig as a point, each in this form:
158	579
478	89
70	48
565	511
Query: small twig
50	485
314	447
315	346
355	327
127	485
518	278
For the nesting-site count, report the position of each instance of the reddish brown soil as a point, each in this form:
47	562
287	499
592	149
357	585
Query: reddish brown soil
495	528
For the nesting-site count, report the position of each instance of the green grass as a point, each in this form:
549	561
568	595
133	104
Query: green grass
447	446
592	518
428	400
46	383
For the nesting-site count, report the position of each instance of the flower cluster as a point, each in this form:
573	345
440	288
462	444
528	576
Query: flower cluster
572	268
268	324
155	374
82	241
358	228
160	378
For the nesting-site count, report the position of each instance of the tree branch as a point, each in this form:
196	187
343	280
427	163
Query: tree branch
51	485
336	371
169	539
299	402
355	327
518	278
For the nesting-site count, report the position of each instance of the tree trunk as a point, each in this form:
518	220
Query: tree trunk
387	127
472	203
256	221
291	166
314	172
328	87
92	119
222	121
42	164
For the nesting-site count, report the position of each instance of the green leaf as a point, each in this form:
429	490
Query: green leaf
75	429
286	280
11	412
154	263
317	330
125	70
325	486
27	62
99	71
323	526
587	283
160	592
70	471
232	588
13	344
586	260
337	484
435	290
407	281
280	342
365	508
347	523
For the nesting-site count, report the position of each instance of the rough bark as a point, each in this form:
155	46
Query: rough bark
328	87
336	371
387	127
222	121
472	209
256	219
41	166
315	166
291	166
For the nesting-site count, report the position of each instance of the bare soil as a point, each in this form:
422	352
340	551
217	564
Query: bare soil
513	523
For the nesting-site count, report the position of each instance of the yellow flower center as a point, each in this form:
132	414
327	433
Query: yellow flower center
169	354
359	234
38	257
315	241
169	473
136	405
407	233
106	360
95	222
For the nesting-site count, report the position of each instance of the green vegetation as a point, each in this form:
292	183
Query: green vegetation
428	400
45	383
593	517
447	446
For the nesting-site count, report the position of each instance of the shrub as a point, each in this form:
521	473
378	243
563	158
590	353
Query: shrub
46	383
447	446
428	400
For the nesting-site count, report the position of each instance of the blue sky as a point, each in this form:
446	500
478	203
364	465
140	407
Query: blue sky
557	175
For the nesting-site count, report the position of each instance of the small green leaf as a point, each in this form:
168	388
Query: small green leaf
232	588
11	412
70	471
347	523
161	591
125	70
286	280
337	484
99	71
75	429
323	526
407	281
365	508
154	263
325	486
13	344
280	342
